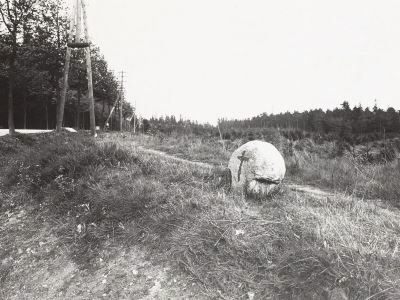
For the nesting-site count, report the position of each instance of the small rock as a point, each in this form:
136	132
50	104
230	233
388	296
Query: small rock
239	232
12	221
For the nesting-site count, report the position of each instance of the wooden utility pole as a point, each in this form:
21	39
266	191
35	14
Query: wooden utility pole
134	118
121	98
118	105
106	125
78	15
89	73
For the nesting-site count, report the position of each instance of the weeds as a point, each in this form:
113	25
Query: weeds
324	165
347	174
289	247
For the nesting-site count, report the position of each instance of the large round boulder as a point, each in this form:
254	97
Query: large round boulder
256	168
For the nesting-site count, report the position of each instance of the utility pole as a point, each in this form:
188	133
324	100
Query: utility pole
78	15
118	104
111	111
134	118
121	99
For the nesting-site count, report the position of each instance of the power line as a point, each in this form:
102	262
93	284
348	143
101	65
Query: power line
121	99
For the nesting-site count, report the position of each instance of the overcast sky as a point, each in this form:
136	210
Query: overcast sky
210	59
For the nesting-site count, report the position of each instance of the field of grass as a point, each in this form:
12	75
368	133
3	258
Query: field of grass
347	174
194	148
86	201
311	164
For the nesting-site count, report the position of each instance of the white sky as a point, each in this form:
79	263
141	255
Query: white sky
208	59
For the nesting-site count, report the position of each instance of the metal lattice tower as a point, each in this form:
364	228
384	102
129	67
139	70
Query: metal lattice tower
78	38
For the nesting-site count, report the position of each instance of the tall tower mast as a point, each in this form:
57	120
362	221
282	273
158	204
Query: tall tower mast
78	21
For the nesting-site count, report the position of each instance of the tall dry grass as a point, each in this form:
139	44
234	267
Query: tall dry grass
347	174
307	162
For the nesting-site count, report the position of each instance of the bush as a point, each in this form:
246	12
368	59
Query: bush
63	158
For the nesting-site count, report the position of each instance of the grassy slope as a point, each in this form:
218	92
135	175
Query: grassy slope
90	207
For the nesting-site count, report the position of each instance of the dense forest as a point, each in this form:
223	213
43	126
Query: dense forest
352	125
33	35
169	124
345	123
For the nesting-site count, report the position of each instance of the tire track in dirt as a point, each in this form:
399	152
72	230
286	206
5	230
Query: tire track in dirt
310	190
174	158
305	189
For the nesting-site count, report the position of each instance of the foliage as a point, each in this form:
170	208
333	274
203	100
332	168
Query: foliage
170	125
354	126
35	52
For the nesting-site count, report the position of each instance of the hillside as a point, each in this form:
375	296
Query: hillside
107	219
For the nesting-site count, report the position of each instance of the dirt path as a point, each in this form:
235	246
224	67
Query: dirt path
174	158
316	192
304	189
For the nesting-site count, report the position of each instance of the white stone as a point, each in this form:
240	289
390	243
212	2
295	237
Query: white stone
69	129
135	272
257	168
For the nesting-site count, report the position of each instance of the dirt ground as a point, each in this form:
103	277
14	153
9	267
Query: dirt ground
30	246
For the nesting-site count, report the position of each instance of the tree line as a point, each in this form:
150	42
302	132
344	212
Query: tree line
351	125
355	124
170	124
33	38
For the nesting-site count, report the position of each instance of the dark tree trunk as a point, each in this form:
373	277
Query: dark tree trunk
78	110
102	112
58	94
11	124
109	121
25	110
47	115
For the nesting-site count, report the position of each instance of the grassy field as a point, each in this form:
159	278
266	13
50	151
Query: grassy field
307	163
75	209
